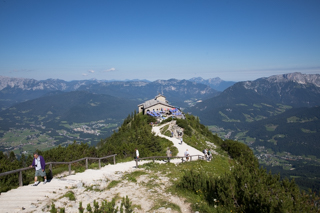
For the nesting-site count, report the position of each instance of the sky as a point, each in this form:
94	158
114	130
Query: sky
158	39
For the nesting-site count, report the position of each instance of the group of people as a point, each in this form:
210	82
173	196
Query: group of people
169	154
179	135
207	154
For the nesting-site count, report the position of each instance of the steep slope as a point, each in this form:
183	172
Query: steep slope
234	107
294	89
251	101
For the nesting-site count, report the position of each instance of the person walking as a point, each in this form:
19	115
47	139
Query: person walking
181	140
209	155
205	153
169	154
186	154
137	154
39	164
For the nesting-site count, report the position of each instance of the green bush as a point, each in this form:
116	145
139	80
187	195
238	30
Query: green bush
246	190
184	124
240	152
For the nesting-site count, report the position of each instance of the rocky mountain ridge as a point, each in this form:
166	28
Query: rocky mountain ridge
215	83
16	90
296	77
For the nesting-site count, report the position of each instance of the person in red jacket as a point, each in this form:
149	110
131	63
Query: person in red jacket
39	164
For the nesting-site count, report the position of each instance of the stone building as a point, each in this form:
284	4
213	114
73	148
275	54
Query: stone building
156	104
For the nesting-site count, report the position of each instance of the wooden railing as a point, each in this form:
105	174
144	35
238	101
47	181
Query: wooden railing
155	157
52	163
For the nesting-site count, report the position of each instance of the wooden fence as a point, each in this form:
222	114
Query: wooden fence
52	163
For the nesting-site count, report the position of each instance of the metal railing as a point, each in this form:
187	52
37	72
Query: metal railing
52	163
155	157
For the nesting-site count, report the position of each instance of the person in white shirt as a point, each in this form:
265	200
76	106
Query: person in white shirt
39	164
137	154
186	154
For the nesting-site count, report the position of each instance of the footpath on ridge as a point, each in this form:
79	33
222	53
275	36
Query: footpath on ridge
37	198
176	141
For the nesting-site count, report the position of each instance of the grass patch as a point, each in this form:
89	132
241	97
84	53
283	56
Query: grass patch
70	195
134	175
159	203
164	129
113	183
95	188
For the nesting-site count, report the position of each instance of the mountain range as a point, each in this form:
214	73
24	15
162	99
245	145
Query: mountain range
16	90
250	101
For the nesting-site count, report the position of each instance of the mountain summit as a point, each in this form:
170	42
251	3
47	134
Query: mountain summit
296	77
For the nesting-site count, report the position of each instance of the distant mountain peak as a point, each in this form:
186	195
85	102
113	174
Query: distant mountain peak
215	83
296	77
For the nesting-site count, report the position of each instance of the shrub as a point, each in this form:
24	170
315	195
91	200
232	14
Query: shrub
246	190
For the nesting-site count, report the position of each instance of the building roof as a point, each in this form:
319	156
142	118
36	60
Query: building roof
160	95
153	102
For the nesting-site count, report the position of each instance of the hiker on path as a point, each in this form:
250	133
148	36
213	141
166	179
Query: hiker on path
205	153
39	164
137	154
169	154
181	140
186	154
209	155
171	133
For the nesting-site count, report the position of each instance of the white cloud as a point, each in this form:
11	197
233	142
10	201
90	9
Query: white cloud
84	74
91	71
110	70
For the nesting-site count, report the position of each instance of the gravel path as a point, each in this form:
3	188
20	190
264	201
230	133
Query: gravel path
176	141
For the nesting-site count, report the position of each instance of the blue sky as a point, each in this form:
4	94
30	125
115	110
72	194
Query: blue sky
153	39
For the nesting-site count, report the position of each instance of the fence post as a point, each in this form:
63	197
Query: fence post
69	168
86	163
190	158
20	178
182	160
153	160
137	163
99	163
114	160
50	167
